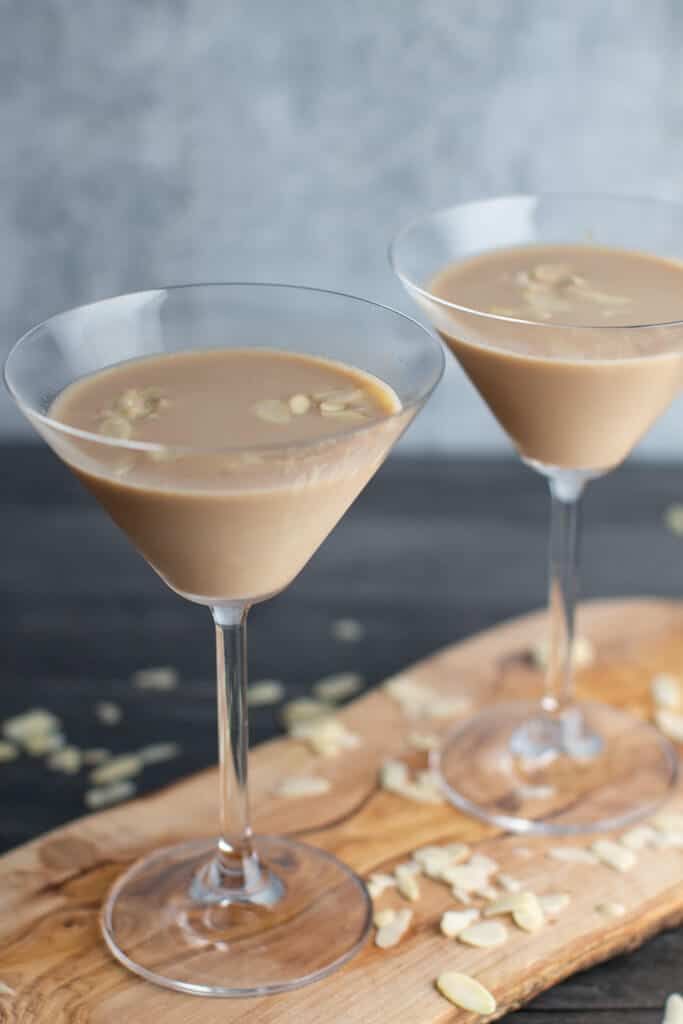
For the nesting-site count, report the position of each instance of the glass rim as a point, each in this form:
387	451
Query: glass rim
435	214
124	444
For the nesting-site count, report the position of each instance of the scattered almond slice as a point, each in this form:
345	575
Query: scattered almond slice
348	631
395	778
393	774
302	785
417	700
507	903
666	840
615	856
508	883
108	713
673	1010
161	678
44	743
673	517
29	725
157	753
455	921
529	914
325	736
103	796
95	755
583	653
299	404
572	855
378	882
432	860
302	710
391	934
424	741
381	918
8	752
67	760
124	766
5	990
114	425
466	992
668	821
553	903
611	909
484	934
265	692
406	882
338	686
639	838
666	690
272	410
670	723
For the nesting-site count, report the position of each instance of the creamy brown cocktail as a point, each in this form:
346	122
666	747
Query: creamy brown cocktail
258	455
569	390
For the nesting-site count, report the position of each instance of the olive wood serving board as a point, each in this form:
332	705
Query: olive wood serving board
51	889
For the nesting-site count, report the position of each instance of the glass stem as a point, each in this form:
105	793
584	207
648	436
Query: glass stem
566	489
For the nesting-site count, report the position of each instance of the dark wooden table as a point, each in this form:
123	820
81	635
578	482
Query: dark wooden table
434	550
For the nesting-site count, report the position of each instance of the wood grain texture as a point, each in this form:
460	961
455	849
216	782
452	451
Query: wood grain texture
51	889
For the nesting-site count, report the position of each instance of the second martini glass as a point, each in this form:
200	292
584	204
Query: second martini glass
576	377
228	515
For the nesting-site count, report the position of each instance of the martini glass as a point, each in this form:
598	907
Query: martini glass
574	400
244	914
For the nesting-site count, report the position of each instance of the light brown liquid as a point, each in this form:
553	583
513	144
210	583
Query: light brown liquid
239	514
572	388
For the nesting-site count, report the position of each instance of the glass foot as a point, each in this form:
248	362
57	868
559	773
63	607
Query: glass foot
152	924
598	769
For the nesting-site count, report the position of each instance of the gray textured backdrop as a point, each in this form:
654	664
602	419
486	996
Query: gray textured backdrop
156	141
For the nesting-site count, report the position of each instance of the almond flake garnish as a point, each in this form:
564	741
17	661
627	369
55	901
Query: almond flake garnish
378	882
116	426
325	736
424	741
465	992
673	517
417	700
381	918
304	710
529	914
337	687
615	856
157	753
583	653
395	778
264	693
673	1011
509	883
299	404
406	882
455	921
103	796
391	934
348	631
67	760
639	838
162	678
136	405
8	752
472	877
553	903
95	755
44	743
507	903
668	821
611	909
5	990
30	724
484	935
666	690
108	713
670	723
302	785
347	415
572	855
272	410
124	766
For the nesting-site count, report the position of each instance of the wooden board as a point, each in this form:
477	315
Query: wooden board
51	889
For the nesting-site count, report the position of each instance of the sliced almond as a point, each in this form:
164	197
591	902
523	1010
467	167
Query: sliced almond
611	909
8	752
5	990
638	838
299	404
507	903
393	774
36	722
673	517
116	426
302	785
508	883
673	1011
44	743
381	918
104	796
615	856
304	709
391	934
668	821
484	935
529	914
264	693
432	860
67	760
95	755
272	410
337	687
108	713
162	678
157	753
125	766
455	921
424	741
407	883
378	882
466	992
348	631
666	690
327	736
572	855
670	723
583	653
553	903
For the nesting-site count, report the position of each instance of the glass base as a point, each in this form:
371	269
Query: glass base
155	927
508	767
